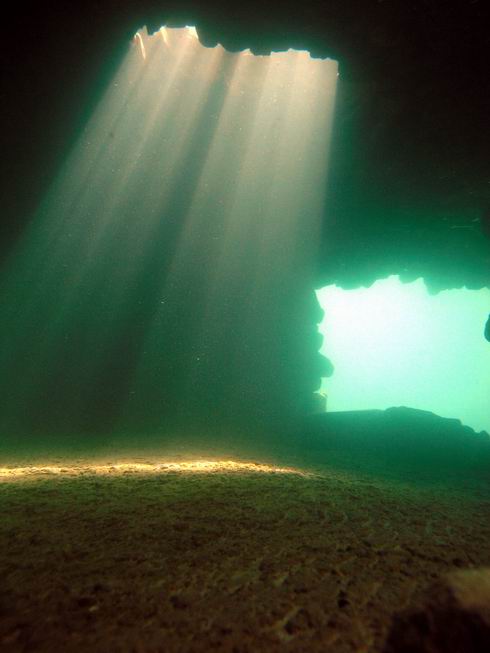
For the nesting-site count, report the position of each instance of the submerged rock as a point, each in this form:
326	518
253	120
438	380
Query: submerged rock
456	618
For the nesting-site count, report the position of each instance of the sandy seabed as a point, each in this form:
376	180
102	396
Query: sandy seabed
154	557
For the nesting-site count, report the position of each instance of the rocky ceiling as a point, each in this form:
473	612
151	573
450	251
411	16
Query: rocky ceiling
409	184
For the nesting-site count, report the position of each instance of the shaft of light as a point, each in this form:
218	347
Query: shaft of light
188	211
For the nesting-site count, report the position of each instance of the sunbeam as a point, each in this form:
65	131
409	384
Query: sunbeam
182	228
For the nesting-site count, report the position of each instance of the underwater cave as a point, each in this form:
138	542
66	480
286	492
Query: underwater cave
244	300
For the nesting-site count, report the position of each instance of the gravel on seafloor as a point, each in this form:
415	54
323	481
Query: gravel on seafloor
240	560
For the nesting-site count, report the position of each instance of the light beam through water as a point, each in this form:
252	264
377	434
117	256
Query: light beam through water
180	232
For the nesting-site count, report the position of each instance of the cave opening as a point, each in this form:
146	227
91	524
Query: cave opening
395	344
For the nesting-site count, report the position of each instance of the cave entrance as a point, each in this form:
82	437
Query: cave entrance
394	344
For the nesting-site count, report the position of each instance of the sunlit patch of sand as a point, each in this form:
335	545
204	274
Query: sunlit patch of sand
189	466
